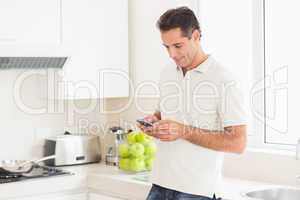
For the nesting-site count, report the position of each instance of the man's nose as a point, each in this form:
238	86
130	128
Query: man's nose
172	53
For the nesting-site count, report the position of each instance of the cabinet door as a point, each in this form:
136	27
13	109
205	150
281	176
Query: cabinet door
81	196
31	22
96	35
93	196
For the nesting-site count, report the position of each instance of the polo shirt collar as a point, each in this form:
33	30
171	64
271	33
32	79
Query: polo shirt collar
203	67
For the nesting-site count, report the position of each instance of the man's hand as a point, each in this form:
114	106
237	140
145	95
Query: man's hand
151	119
168	130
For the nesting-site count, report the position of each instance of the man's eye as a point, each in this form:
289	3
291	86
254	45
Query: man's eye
177	46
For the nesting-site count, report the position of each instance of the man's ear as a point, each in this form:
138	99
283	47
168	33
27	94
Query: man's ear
196	35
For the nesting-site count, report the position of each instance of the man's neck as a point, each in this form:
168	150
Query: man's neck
199	58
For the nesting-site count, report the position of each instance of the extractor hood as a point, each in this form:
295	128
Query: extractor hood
32	62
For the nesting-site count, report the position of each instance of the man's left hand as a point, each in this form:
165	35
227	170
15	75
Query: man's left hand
168	130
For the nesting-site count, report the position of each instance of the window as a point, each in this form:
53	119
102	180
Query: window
257	41
281	66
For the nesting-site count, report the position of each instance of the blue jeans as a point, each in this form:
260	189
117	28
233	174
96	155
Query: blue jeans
160	193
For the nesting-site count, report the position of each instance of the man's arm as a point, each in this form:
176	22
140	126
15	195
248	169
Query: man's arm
233	139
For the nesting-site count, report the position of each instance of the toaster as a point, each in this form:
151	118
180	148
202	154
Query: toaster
72	149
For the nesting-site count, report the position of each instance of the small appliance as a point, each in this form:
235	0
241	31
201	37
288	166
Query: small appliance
71	149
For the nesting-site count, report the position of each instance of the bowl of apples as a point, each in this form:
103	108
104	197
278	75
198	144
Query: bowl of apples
137	153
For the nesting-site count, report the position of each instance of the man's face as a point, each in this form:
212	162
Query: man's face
181	49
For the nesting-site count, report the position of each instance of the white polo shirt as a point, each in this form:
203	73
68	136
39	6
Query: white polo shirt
206	97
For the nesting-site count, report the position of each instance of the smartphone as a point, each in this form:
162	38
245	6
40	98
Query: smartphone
144	123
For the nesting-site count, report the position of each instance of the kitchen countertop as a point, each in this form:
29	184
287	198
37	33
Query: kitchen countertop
109	180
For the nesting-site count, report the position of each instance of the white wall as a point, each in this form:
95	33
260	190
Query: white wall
267	166
22	132
18	128
148	56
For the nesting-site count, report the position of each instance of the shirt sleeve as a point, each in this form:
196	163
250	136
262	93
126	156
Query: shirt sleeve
231	107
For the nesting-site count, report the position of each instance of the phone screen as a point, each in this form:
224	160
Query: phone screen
144	123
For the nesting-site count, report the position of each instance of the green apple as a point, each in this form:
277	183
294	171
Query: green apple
137	165
143	157
136	150
123	150
141	137
149	163
150	149
131	138
124	164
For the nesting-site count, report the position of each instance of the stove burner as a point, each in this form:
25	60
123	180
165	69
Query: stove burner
38	171
5	176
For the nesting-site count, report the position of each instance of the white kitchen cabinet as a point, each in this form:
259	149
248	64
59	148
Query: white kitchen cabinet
31	22
93	35
80	196
94	196
96	36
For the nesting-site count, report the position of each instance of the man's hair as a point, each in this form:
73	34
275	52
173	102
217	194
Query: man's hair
181	17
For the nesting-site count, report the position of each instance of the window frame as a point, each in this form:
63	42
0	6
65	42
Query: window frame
259	138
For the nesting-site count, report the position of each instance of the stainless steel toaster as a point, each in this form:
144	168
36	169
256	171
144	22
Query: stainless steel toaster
72	149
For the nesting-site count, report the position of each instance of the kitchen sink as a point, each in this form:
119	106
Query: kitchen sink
279	193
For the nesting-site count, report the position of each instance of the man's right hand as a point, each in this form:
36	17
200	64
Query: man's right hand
151	119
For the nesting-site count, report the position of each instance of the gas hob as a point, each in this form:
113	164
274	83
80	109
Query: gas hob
38	171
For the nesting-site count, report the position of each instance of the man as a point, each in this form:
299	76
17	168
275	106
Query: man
200	115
